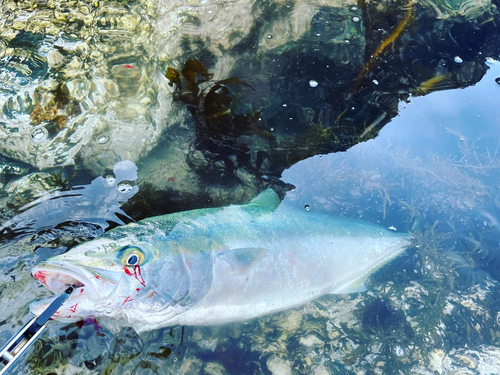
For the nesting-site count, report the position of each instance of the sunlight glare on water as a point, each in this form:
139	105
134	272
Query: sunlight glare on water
375	111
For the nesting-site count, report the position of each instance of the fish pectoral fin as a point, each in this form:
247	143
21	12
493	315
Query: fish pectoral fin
355	286
243	259
265	202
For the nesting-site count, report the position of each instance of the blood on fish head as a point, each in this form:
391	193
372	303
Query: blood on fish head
116	276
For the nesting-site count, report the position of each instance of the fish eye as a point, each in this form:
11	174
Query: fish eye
133	260
132	256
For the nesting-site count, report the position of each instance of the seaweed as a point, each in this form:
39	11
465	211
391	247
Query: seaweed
383	46
212	103
56	111
60	180
438	82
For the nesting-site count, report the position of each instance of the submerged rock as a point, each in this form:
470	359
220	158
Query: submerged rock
278	82
47	204
213	368
311	341
11	168
484	360
98	87
73	74
279	366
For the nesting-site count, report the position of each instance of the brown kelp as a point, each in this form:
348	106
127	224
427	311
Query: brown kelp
212	103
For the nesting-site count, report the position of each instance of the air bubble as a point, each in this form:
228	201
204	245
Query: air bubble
38	135
313	83
399	351
458	60
375	81
497	80
125	187
269	36
307	207
356	19
102	139
108	309
110	180
354	7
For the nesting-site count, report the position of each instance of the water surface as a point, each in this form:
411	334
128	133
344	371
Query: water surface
409	140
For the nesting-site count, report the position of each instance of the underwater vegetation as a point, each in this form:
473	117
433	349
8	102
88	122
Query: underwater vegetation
88	85
281	83
331	86
211	104
438	296
60	180
70	73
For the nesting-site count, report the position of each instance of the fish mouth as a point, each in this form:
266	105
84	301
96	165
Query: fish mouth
58	276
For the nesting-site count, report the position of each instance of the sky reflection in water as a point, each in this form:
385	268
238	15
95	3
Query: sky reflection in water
420	170
440	123
97	203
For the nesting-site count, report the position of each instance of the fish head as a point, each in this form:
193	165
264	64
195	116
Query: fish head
132	275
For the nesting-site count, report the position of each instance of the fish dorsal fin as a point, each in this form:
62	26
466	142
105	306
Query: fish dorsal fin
265	202
242	260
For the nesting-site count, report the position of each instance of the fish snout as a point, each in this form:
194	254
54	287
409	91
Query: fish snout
58	275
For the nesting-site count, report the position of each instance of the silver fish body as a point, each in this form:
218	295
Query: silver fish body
215	266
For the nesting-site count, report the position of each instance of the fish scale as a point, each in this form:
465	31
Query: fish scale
218	265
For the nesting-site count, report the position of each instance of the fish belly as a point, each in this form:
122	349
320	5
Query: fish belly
293	270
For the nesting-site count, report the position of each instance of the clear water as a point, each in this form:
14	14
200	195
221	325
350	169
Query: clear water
432	170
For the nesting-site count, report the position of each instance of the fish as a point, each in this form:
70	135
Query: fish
215	266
